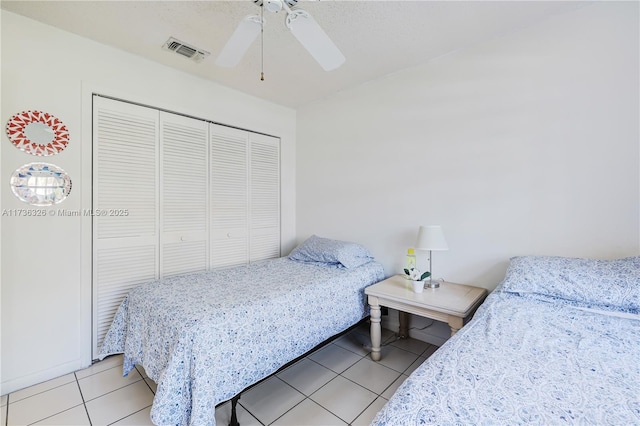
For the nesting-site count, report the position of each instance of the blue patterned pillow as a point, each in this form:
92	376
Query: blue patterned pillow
603	284
324	251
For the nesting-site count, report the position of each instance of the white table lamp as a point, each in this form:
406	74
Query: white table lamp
431	238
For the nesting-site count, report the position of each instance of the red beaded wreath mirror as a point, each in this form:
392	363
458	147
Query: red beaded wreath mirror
37	133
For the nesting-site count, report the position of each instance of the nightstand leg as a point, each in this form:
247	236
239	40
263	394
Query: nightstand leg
456	324
376	332
403	318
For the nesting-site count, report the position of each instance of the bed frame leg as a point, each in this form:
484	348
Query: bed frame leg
234	418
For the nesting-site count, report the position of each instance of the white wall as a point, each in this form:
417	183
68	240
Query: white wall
46	279
528	144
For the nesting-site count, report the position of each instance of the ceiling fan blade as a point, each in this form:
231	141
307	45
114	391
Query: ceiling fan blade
314	39
240	41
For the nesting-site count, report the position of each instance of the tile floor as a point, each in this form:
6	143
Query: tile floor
335	385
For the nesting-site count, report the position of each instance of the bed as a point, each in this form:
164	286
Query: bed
558	342
203	338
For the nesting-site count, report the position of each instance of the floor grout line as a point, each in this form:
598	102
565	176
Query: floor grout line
84	403
116	390
365	409
55	414
40	393
6	419
349	345
283	414
98	372
145	380
128	415
248	411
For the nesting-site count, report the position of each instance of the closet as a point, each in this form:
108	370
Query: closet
174	195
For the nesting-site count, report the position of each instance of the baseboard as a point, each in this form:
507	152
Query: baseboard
22	382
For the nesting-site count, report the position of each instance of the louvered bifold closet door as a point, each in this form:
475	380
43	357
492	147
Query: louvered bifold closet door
264	177
125	198
229	196
183	195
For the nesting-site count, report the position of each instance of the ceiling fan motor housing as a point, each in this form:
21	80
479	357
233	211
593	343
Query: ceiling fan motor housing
275	5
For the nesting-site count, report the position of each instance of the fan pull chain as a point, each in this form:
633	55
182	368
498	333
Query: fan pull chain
262	43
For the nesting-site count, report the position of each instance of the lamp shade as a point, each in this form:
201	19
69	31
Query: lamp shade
431	238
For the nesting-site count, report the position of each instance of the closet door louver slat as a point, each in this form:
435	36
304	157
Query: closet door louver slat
229	196
183	195
123	162
125	240
264	171
183	257
119	270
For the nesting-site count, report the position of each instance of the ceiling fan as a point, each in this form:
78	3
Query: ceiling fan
300	23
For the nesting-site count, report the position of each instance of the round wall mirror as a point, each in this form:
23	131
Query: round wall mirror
37	133
40	184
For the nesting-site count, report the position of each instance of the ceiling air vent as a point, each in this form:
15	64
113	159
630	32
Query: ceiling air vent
185	50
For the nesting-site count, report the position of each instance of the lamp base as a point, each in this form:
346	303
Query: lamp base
432	284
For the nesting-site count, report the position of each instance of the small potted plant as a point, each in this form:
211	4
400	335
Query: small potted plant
417	278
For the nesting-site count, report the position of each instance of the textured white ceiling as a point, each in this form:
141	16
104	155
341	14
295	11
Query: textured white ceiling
377	37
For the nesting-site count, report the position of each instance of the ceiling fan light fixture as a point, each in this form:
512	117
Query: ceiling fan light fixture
273	6
283	3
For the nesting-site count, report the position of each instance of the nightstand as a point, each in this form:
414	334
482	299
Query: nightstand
450	303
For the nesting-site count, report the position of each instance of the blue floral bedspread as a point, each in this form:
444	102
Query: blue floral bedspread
522	360
203	338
